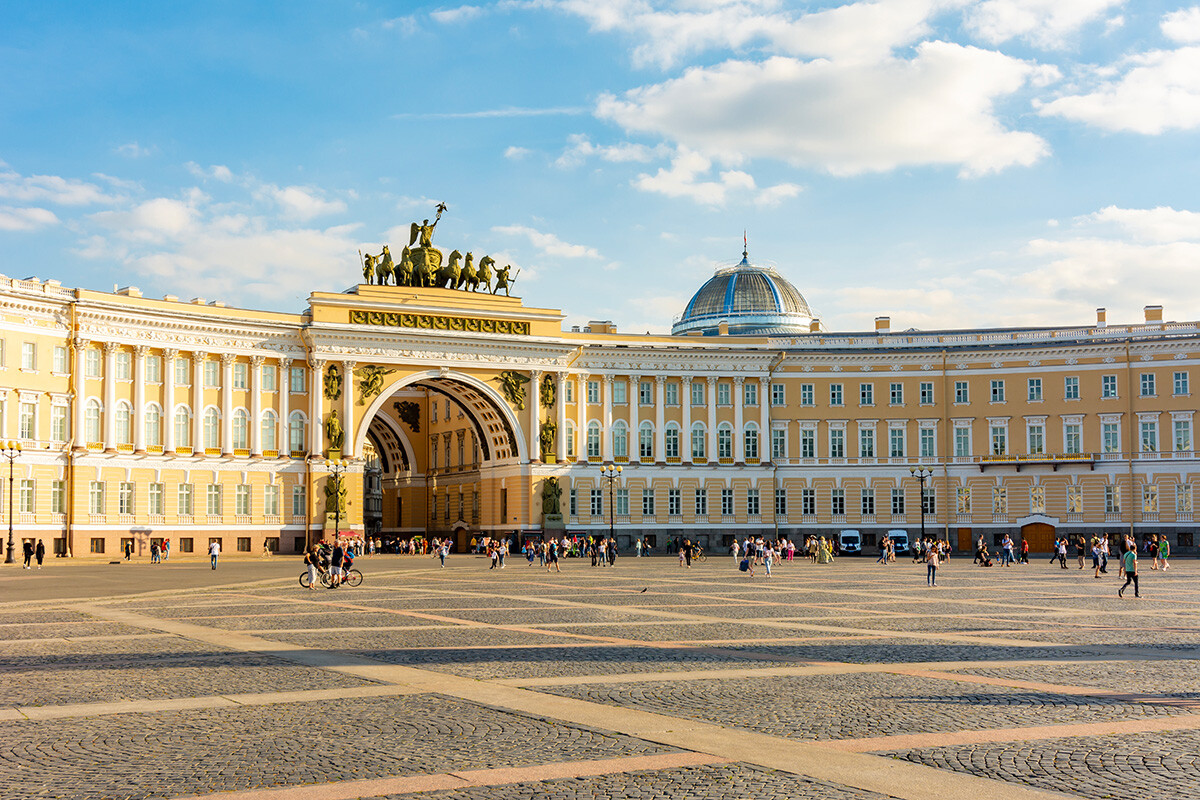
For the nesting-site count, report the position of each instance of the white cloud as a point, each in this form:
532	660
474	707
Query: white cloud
1182	25
547	243
304	203
135	150
451	16
25	219
1046	23
217	172
684	178
515	153
51	189
1162	224
405	26
937	108
1148	93
156	220
774	195
579	148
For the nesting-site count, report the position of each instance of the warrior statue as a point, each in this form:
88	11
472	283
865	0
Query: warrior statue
424	230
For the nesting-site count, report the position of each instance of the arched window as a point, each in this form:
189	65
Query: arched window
241	430
152	418
671	440
646	441
124	431
297	426
570	439
269	426
212	429
724	440
593	440
751	437
183	426
698	442
91	421
620	434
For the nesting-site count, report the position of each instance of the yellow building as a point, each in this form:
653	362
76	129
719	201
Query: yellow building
143	419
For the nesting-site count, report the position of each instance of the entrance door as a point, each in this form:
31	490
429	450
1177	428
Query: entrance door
965	543
1040	537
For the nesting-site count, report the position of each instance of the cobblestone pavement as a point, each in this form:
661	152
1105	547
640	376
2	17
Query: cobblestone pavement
755	684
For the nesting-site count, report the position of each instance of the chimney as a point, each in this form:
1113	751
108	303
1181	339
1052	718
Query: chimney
723	328
1153	314
1101	318
814	326
883	324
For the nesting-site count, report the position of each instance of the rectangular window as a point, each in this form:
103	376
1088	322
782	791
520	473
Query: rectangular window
779	444
155	501
1071	387
597	503
961	395
671	393
866	394
28	356
1112	437
808	502
271	500
58	423
1147	384
999	436
997	391
1183	498
1108	386
727	502
837	443
896	442
26	413
897	502
674	502
593	391
963	495
697	393
808	395
808	443
962	442
781	502
928	502
926	393
896	394
97	546
701	502
778	396
122	362
1112	499
296	381
750	394
96	497
125	498
1180	384
1149	437
645	393
1073	437
999	501
619	395
574	503
183	499
928	443
647	502
724	394
91	363
58	497
1035	390
866	442
753	502
212	505
1150	498
837	502
241	500
241	376
212	374
181	366
243	544
835	394
268	377
60	360
621	497
1037	439
153	369
25	496
1183	435
867	502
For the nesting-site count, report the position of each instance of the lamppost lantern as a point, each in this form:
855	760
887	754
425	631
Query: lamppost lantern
12	451
610	473
921	473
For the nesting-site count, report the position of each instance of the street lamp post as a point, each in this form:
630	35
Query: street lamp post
610	473
921	473
337	467
12	451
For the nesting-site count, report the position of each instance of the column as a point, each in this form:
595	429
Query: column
606	420
283	385
634	396
560	407
256	363
764	407
139	399
739	439
110	395
581	414
168	376
348	409
685	405
660	419
80	395
227	404
316	411
535	402
198	359
710	400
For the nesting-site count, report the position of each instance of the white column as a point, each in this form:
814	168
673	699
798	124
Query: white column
710	398
110	395
560	407
633	394
581	413
283	385
168	378
80	394
139	399
316	413
660	419
739	440
685	404
606	420
227	404
198	358
764	407
348	409
535	416
256	363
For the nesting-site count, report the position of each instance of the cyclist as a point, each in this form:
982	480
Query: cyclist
335	564
347	563
311	559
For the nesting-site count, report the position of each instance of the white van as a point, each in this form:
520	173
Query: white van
850	542
899	540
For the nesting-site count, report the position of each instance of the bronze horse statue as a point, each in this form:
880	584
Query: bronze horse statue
447	276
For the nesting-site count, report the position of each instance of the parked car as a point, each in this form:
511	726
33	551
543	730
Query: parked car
850	542
899	540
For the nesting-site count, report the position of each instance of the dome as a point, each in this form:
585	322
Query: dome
753	300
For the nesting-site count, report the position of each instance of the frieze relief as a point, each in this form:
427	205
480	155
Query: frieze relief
439	322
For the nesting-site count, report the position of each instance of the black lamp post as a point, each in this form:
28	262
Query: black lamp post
921	473
337	467
610	473
12	451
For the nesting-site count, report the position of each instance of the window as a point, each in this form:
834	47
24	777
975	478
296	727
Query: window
750	393
867	502
183	500
808	443
597	503
97	546
647	502
58	497
28	356
152	425
837	443
1037	439
593	391
91	363
60	360
1111	436
1074	499
724	440
212	374
1108	386
926	393
781	502
621	497
1073	437
779	443
961	394
212	429
999	501
701	502
27	413
296	382
299	501
1183	498
182	371
835	394
91	421
241	429
125	498
154	499
897	502
96	497
866	442
646	441
697	393
593	440
896	394
928	502
619	396
997	391
241	500
1071	387
268	377
569	386
807	394
243	544
778	396
645	393
753	503
724	394
963	495
674	502
698	441
297	427
620	434
1112	499
123	368
1183	434
727	502
58	423
751	440
1147	381
928	443
25	496
1180	383
999	436
1149	437
837	501
212	505
896	443
962	442
671	394
1150	498
123	427
808	502
241	375
1035	390
574	503
569	433
268	426
866	394
671	441
183	426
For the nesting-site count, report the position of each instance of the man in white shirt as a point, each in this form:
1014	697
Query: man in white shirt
214	550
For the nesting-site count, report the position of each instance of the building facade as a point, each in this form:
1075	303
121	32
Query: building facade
143	419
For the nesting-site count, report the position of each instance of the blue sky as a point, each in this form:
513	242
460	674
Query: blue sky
945	162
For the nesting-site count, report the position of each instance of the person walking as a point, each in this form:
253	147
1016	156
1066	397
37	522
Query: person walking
1062	552
1096	555
335	564
1129	561
154	552
311	559
27	550
1081	548
39	553
129	550
444	551
768	559
932	560
214	551
1006	549
166	549
1024	550
1164	550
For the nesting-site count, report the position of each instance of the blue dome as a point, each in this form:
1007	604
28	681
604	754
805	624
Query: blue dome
753	300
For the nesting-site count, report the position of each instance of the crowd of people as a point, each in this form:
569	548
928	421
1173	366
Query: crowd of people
1097	548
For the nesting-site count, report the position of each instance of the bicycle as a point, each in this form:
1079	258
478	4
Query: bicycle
353	578
699	555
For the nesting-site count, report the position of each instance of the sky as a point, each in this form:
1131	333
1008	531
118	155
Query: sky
946	163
